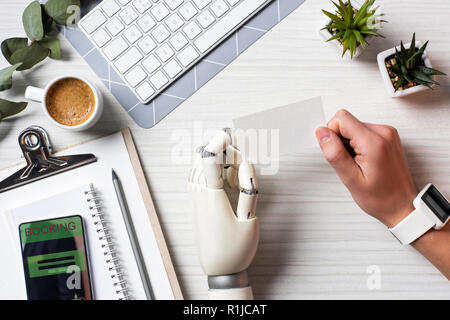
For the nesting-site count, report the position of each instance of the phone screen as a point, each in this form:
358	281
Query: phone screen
55	260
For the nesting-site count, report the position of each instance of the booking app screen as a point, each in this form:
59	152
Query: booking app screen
55	260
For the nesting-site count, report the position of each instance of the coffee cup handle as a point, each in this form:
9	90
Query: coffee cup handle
35	94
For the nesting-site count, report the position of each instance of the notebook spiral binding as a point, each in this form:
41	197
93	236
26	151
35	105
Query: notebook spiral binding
105	239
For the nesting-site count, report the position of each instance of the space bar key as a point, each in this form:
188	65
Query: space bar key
240	13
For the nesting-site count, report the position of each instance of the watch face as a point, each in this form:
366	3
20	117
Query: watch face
437	203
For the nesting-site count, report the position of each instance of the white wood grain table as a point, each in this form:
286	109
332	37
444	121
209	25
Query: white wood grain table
315	242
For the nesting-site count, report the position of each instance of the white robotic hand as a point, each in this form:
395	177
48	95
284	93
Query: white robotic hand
227	240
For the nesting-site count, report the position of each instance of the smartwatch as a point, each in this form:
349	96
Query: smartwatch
432	210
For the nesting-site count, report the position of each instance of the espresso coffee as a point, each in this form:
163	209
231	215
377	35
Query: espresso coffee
70	101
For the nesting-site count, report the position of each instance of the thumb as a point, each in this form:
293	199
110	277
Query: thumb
337	155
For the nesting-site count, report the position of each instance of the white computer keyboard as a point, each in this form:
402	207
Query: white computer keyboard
150	43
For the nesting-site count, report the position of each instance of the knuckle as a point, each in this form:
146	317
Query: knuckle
391	133
342	113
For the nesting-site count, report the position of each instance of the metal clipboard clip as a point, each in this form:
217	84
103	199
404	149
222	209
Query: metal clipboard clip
37	150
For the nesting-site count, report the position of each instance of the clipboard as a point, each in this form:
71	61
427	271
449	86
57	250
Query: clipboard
141	186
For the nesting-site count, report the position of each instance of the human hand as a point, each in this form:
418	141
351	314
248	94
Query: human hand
378	176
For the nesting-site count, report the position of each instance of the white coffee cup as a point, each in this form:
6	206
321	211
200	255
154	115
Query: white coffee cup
40	95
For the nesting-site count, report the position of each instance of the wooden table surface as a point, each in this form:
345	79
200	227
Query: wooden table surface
315	242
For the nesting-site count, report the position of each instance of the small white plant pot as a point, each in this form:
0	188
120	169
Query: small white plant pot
336	43
381	58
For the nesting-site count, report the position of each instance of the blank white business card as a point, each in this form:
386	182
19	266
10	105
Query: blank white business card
290	128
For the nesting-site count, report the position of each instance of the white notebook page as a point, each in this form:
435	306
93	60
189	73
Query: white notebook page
112	154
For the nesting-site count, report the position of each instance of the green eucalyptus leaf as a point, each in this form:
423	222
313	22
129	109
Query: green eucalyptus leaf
29	56
57	9
9	46
6	76
10	108
52	44
47	21
32	21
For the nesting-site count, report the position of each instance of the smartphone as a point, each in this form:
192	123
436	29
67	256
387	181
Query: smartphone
55	259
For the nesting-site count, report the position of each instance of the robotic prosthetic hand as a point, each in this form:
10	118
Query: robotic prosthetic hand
227	240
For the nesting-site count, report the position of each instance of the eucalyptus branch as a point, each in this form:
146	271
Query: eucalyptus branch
39	20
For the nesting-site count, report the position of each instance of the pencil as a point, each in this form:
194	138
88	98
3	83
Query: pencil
132	235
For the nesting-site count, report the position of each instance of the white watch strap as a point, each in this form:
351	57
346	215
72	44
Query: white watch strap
412	227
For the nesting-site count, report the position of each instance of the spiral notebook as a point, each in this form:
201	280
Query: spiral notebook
108	275
67	194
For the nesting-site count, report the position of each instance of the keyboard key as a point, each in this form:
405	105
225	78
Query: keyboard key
174	22
115	26
219	30
93	21
128	15
206	18
187	56
142	5
188	11
173	4
178	41
132	34
165	52
201	3
160	33
160	11
146	23
110	7
192	30
124	2
219	8
129	59
172	68
115	48
232	2
101	37
151	64
135	76
145	91
159	80
147	44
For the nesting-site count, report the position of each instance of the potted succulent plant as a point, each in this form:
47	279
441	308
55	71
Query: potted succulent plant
352	26
407	69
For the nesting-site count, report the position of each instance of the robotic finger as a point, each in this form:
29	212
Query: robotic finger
209	161
248	195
